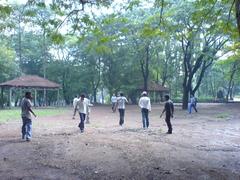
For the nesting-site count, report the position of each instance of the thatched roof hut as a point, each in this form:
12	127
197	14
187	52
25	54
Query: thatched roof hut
31	81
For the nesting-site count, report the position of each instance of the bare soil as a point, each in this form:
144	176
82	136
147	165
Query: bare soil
204	145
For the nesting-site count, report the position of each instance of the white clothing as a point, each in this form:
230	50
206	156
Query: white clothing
82	106
88	104
192	100
75	100
121	102
114	99
144	102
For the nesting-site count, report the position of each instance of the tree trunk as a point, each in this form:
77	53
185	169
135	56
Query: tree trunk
95	95
1	97
145	68
237	7
233	69
185	97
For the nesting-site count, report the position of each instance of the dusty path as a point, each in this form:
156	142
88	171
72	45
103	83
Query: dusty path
204	145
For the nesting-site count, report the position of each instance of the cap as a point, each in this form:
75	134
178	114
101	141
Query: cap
144	93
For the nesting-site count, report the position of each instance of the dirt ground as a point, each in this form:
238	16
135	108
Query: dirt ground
204	145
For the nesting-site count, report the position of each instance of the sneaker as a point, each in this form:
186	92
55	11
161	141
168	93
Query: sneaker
28	139
81	131
169	133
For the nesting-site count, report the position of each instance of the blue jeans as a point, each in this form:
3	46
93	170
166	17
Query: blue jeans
26	128
190	106
121	113
145	119
82	119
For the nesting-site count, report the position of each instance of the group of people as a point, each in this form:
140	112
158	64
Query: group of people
145	105
82	106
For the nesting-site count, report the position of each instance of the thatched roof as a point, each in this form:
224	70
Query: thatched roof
152	86
30	81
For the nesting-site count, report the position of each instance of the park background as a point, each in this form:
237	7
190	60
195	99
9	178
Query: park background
101	47
105	47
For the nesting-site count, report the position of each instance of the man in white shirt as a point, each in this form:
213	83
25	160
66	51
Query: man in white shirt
114	101
88	110
75	100
145	105
121	107
82	107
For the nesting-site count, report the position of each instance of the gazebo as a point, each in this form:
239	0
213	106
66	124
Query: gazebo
155	91
30	82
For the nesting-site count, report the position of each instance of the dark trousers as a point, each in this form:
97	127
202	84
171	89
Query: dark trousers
113	106
145	119
82	119
168	118
26	128
121	113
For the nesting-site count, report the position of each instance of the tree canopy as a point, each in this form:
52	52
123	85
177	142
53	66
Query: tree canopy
104	47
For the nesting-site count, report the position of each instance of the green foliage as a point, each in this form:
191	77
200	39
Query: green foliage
57	38
5	11
86	52
15	114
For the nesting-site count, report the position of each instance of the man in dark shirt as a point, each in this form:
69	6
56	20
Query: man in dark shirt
26	116
169	110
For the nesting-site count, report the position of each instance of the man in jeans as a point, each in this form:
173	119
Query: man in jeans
114	101
26	116
192	104
169	110
82	107
121	107
145	105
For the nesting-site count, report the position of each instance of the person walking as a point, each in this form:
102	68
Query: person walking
26	112
121	101
75	100
145	105
89	104
82	107
113	101
168	110
192	104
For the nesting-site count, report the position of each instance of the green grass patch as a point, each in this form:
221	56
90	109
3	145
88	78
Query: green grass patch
15	114
223	116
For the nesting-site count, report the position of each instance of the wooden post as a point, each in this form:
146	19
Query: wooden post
10	97
58	97
1	97
154	96
35	97
44	97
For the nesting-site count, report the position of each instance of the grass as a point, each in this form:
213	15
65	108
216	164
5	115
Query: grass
15	114
223	115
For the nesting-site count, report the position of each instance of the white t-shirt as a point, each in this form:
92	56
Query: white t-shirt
114	99
75	100
144	102
121	102
82	106
89	104
192	100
